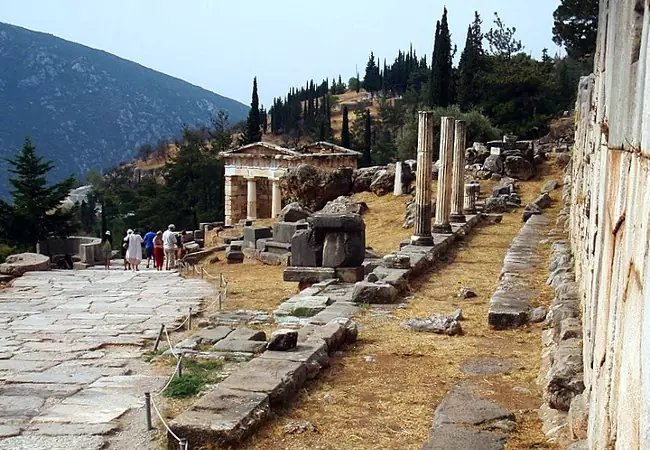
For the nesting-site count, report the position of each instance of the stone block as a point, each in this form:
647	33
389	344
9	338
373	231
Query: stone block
308	274
248	334
252	234
284	231
305	250
448	437
275	259
279	378
278	247
578	417
333	334
260	244
240	346
543	201
293	212
344	249
349	274
282	340
311	353
394	277
337	222
222	417
394	261
16	265
230	239
380	293
234	257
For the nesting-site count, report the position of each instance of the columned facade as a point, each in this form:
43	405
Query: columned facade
253	172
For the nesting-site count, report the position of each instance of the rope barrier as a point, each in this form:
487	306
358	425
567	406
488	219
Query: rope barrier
171	347
170	379
164	423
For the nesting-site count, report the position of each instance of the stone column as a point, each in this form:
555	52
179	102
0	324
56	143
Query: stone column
251	203
228	200
443	205
458	178
423	174
276	198
470	199
397	189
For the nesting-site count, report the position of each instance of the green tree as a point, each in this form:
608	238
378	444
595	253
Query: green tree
345	130
253	132
372	79
471	63
575	25
441	84
502	39
36	212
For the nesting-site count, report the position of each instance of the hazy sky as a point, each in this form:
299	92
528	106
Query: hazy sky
220	45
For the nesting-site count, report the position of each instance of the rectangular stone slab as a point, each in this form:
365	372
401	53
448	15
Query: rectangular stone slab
280	379
284	231
308	274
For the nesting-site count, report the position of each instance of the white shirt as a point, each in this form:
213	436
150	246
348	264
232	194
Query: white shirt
169	240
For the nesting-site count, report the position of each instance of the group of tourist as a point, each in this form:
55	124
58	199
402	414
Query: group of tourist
160	248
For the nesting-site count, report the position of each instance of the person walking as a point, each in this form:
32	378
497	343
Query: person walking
148	246
134	249
125	246
169	244
158	251
107	248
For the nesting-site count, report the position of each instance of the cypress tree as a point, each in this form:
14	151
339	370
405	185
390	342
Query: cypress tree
345	130
433	93
469	65
367	140
358	82
440	88
253	130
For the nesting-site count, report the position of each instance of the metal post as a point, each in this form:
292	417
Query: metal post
159	337
189	319
219	294
180	366
183	444
147	410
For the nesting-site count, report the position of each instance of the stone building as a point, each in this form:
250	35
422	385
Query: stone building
253	174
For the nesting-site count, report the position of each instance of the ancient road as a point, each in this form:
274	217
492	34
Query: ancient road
70	342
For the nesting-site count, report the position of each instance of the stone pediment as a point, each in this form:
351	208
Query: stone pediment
260	149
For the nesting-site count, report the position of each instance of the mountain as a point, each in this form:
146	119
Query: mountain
88	109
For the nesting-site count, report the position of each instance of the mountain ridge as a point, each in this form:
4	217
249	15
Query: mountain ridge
86	108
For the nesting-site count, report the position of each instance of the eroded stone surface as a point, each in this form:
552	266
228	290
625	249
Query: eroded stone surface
61	331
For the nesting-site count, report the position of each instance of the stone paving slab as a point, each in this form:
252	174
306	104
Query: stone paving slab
65	343
510	303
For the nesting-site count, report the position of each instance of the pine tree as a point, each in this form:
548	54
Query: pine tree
440	88
367	140
345	130
253	132
372	79
36	212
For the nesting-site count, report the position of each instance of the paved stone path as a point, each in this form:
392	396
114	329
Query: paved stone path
69	344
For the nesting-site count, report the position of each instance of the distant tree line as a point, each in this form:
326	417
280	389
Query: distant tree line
496	84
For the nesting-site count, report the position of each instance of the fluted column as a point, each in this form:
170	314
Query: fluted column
443	205
458	178
470	198
397	189
251	203
423	173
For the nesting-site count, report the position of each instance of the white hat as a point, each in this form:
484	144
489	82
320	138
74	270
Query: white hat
108	232
129	231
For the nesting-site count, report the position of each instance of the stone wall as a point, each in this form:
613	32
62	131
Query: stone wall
235	199
89	249
609	225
